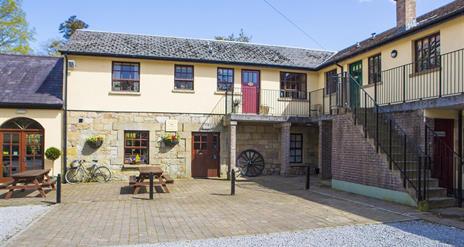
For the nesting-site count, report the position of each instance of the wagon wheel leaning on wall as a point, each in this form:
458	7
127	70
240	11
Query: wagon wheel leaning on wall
250	163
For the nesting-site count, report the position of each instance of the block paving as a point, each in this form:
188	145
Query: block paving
108	214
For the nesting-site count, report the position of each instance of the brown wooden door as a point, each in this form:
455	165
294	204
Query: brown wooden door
442	156
21	151
205	155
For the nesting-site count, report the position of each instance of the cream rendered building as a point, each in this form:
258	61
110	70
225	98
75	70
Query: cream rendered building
382	118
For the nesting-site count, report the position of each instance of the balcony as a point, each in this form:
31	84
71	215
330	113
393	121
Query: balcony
278	104
431	78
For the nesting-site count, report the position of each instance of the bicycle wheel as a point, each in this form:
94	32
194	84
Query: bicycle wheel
102	174
73	175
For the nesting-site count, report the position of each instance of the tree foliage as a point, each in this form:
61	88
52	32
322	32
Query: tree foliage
68	27
15	34
52	47
242	37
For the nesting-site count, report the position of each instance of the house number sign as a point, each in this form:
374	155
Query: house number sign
171	125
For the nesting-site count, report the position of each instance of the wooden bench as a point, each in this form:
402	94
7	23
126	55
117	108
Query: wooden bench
4	185
167	179
50	183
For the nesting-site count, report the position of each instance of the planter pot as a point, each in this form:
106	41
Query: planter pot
170	143
95	145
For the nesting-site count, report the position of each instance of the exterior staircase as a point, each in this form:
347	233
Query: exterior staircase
408	159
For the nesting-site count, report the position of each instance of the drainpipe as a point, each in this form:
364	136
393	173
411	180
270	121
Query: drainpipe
342	92
65	117
460	151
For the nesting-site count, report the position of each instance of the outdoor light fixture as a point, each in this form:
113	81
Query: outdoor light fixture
394	54
21	111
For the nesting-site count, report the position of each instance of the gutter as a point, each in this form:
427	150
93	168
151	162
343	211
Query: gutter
32	106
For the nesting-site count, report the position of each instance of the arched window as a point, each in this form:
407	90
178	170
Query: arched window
22	123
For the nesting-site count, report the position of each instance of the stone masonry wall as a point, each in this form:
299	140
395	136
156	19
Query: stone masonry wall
265	138
355	160
176	160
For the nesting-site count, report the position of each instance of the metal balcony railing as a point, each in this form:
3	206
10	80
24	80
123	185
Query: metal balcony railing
424	79
268	102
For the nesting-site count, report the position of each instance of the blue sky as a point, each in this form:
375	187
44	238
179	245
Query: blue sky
334	23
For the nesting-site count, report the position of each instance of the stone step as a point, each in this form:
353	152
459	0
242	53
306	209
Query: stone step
412	173
431	182
433	192
441	202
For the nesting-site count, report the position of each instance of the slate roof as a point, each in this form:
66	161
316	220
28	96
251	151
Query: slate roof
85	42
450	10
31	81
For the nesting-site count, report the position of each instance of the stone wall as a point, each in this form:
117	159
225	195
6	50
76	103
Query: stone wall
175	160
355	160
265	138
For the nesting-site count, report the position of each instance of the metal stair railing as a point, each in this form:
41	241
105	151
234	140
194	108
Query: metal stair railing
402	151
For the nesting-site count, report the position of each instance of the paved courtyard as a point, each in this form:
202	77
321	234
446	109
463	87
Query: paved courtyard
108	214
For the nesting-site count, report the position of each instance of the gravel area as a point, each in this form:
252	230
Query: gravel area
411	233
14	219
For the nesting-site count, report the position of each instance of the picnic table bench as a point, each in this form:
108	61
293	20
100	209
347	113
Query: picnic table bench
29	180
160	179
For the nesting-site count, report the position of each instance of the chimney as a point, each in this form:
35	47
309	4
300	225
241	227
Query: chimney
405	13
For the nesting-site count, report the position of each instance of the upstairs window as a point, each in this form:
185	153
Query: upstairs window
225	79
331	78
427	53
375	69
126	77
293	85
183	77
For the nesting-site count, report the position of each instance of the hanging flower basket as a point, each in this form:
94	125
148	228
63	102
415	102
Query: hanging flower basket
170	139
95	141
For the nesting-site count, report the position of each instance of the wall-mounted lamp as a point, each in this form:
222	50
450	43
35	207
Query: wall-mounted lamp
21	111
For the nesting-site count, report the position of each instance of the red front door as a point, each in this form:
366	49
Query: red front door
205	155
443	154
250	91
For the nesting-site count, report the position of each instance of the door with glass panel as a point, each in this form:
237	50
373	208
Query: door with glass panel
21	142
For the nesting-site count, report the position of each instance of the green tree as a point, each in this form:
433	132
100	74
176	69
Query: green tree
242	37
67	28
70	26
52	47
15	34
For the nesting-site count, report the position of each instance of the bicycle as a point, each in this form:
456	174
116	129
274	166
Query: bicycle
79	172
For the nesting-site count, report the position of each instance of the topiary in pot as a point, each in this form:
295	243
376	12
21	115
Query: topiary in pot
52	153
95	141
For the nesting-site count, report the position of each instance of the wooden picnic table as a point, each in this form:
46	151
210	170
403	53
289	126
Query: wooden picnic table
145	173
30	180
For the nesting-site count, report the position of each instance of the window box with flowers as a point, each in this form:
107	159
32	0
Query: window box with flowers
170	139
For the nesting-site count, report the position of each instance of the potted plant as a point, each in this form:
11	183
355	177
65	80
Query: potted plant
52	153
95	141
170	139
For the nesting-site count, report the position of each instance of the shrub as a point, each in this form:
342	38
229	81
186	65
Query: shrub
52	153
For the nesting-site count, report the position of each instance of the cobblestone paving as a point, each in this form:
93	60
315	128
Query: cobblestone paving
107	214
